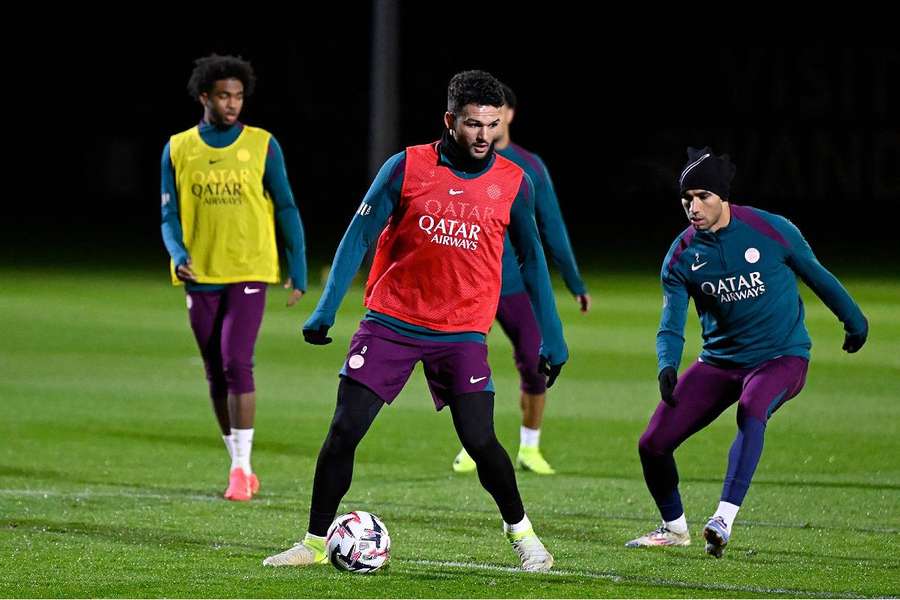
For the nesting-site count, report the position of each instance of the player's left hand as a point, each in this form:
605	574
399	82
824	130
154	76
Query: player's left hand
294	295
584	301
551	371
854	341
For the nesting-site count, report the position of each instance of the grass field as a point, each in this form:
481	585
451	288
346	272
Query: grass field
112	468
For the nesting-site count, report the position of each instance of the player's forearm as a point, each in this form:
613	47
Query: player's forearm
172	238
670	335
555	234
539	288
172	233
669	349
834	295
349	256
802	260
563	257
364	229
294	245
537	283
367	224
287	215
275	178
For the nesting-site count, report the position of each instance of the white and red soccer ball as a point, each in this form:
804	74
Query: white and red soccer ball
358	542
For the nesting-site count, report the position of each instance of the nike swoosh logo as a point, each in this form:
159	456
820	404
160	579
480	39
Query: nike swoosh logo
700	266
456	192
250	290
212	162
476	380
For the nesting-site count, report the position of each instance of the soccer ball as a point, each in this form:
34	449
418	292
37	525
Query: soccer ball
358	542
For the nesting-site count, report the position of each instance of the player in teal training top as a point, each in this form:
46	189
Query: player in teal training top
740	266
515	313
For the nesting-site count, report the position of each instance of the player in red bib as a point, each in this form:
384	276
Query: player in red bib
439	213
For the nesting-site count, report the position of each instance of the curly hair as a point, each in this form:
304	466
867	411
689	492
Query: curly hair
473	87
210	69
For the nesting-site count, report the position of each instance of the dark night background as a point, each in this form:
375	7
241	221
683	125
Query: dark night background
814	131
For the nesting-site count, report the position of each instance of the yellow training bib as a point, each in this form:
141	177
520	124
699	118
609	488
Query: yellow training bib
226	215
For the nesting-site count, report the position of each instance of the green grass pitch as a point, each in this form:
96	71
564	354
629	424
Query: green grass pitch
112	468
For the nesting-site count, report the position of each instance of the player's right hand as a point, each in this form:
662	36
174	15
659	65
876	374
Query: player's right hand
184	272
295	294
584	302
551	371
668	377
317	337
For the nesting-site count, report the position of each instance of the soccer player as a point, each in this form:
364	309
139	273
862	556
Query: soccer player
222	184
442	210
514	313
740	266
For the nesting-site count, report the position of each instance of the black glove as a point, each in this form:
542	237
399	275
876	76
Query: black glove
668	377
551	371
854	341
318	337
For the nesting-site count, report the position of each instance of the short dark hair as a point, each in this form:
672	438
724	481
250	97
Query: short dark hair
473	87
210	69
509	96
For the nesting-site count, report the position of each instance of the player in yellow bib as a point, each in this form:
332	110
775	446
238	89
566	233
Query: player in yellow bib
224	186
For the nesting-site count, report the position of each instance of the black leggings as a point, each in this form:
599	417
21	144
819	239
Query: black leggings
357	407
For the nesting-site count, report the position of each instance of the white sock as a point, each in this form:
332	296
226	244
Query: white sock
243	444
229	445
523	525
529	438
728	512
679	525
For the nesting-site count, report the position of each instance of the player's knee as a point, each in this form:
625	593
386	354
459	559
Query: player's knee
218	387
478	441
343	436
751	411
346	431
751	418
239	375
215	374
337	441
473	420
481	445
652	445
533	383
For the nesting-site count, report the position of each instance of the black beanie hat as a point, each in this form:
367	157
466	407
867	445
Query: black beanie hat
705	171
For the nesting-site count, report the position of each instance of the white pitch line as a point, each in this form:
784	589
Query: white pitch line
616	578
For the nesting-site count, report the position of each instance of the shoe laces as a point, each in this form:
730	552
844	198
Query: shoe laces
530	547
